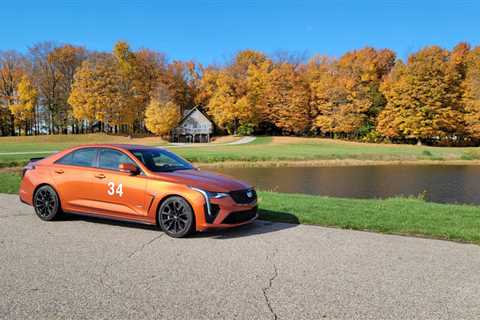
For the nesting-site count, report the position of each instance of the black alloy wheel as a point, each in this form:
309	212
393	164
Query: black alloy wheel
176	218
46	203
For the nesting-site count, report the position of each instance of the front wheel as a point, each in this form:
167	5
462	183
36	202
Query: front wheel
46	203
176	217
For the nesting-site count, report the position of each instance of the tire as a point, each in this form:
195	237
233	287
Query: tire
47	203
176	217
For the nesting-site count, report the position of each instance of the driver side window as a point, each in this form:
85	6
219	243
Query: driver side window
110	159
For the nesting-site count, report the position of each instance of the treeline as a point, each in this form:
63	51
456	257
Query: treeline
366	94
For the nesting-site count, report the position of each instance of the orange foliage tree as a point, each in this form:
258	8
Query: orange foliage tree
423	98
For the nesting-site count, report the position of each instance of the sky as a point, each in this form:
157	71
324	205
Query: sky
212	31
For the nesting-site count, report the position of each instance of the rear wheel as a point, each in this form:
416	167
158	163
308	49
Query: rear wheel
176	217
46	203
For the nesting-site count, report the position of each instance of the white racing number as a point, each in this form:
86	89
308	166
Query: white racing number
112	190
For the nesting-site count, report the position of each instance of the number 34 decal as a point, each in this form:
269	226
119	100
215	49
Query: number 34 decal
112	190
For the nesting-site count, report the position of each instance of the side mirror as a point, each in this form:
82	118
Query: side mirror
128	168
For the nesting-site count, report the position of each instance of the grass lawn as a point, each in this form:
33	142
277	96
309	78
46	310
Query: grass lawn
262	149
395	216
295	149
9	182
406	216
39	146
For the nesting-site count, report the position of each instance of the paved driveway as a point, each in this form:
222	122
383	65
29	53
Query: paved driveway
85	268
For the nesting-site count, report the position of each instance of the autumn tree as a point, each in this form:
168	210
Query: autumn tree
161	118
96	93
116	88
46	78
423	98
12	69
229	105
207	85
65	60
471	97
345	92
287	100
181	79
24	106
150	68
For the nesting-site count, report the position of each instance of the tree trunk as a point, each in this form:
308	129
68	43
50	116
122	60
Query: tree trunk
12	124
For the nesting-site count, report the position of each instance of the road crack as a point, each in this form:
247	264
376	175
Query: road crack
107	266
267	289
146	244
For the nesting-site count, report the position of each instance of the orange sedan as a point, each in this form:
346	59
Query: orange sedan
136	183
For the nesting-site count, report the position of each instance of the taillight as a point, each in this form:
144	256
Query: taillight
29	166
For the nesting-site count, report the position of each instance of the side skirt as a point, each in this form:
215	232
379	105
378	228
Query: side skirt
107	217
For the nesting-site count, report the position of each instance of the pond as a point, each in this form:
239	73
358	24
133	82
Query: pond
446	184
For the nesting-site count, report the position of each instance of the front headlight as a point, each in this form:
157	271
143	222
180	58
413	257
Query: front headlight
216	195
207	195
211	195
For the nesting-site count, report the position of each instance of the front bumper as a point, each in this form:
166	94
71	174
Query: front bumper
226	213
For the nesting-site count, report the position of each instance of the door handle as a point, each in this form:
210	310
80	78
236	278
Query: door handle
100	176
59	171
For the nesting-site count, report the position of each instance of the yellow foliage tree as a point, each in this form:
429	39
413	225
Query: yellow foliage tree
96	93
161	118
229	105
23	109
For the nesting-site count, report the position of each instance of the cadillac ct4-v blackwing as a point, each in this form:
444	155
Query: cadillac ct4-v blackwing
136	183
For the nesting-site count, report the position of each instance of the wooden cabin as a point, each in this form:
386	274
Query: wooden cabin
195	127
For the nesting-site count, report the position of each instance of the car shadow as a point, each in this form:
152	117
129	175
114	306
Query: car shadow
269	221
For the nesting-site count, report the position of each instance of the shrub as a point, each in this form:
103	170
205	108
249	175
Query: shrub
245	130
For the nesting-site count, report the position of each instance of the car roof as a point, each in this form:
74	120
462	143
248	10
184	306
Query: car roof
116	145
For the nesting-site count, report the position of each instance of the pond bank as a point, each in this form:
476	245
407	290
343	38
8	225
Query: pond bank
306	163
328	163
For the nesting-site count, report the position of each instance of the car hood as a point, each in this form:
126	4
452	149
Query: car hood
203	180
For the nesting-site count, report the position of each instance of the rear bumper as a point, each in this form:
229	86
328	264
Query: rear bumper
25	191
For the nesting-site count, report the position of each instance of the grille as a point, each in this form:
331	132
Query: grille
240	196
240	216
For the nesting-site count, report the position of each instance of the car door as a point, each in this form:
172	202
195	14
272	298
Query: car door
118	193
73	176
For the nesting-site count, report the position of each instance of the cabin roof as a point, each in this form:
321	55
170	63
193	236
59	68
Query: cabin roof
189	113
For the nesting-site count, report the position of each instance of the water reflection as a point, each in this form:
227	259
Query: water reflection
448	184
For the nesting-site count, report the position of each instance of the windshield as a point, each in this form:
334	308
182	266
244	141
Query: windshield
158	160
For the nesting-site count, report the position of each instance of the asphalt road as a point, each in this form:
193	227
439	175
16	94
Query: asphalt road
85	268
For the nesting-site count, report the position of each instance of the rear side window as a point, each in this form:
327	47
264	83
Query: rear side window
111	159
82	158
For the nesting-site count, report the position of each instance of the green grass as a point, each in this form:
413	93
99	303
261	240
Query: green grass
264	149
9	182
40	146
261	149
406	216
